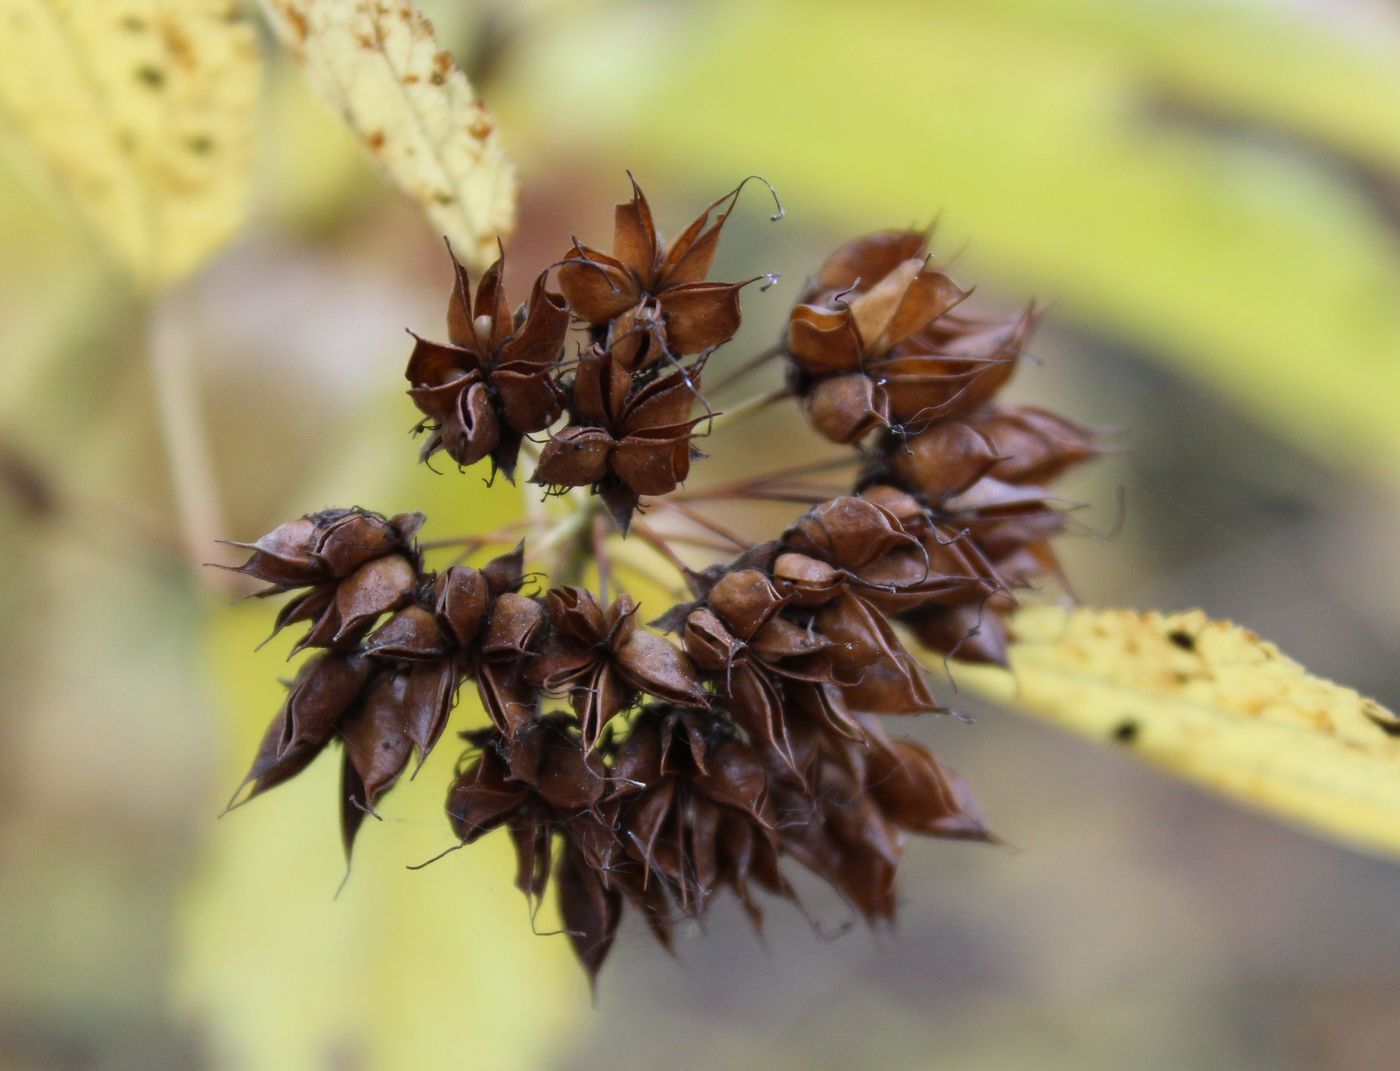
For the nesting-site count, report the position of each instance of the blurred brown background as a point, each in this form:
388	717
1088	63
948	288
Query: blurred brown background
1207	193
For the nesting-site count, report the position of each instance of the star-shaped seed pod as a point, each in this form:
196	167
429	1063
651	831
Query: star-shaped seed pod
540	786
1011	524
356	565
430	647
1035	445
874	343
1018	445
845	824
756	656
919	794
602	660
493	382
871	669
624	442
946	568
326	689
694	811
329	545
651	300
838	832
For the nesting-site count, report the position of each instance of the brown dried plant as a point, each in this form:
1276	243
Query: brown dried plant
636	772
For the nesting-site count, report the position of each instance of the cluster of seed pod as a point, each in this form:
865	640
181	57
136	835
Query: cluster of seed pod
651	767
628	397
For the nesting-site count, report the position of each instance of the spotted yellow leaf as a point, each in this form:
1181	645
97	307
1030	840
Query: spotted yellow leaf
378	63
142	112
1212	702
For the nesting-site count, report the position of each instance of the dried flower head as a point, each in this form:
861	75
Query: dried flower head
648	299
492	384
875	343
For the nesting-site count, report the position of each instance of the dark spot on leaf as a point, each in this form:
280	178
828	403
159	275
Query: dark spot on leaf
1384	720
1184	640
150	76
133	24
1126	731
200	144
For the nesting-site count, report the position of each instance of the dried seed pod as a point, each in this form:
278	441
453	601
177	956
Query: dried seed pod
493	382
653	301
638	443
326	546
325	691
602	660
918	793
690	767
694	812
854	343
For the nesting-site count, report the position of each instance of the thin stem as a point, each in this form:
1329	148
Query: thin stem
504	534
704	542
600	554
651	539
754	363
183	435
563	530
745	409
535	513
766	479
696	517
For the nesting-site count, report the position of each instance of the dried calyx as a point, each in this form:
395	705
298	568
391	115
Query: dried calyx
637	770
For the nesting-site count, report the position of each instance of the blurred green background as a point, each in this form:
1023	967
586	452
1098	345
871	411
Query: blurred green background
1207	194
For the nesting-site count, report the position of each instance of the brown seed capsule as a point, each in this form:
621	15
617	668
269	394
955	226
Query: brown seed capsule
971	633
326	546
656	298
915	791
601	659
694	812
492	383
1035	446
326	689
848	342
377	751
641	444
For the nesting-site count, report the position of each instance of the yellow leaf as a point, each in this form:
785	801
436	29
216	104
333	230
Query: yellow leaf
1212	702
379	65
142	112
